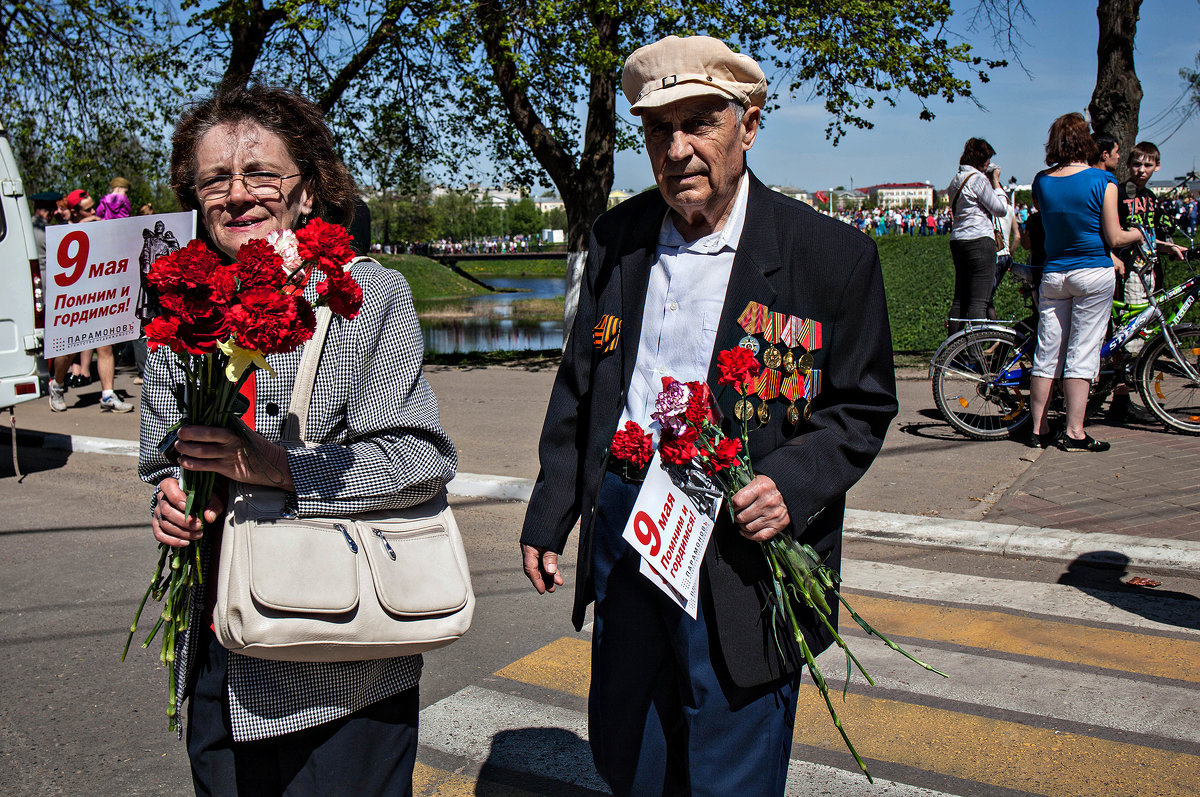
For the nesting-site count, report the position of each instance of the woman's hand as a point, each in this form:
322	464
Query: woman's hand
168	522
219	450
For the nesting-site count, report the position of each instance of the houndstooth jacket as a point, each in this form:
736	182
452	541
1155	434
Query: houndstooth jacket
375	442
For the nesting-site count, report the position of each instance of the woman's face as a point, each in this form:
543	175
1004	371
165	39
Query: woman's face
240	216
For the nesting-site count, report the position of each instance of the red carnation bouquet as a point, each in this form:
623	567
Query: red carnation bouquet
222	320
692	437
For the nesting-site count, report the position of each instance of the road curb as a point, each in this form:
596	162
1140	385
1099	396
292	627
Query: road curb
1003	539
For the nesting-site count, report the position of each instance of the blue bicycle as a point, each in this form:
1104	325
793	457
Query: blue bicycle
980	376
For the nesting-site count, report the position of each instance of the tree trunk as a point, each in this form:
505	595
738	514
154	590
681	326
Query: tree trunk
1117	97
248	28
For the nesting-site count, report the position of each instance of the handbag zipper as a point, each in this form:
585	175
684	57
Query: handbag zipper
386	546
349	540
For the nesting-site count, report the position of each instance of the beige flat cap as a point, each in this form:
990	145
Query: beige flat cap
675	68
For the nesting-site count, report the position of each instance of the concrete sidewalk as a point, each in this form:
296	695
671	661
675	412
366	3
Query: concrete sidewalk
1136	504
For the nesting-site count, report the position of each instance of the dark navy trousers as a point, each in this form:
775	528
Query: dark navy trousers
664	718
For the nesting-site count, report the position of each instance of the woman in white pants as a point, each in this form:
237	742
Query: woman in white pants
1079	211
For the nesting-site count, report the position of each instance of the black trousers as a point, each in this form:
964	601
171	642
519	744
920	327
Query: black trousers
974	276
370	752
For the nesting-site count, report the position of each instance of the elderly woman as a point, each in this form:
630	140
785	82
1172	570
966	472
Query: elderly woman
254	160
1078	207
976	199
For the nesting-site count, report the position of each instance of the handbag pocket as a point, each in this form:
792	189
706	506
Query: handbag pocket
416	567
304	566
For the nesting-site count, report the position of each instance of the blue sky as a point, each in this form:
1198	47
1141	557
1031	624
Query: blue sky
1060	56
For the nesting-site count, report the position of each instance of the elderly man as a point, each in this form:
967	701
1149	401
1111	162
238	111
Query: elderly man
704	706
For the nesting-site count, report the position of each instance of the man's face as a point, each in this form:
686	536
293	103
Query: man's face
697	151
1141	167
1110	159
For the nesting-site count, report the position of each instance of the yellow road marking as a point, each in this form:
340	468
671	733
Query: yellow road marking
1161	657
994	751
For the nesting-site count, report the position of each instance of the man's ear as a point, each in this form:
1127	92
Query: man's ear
750	122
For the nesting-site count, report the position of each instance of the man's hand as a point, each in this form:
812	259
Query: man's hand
168	522
256	461
759	509
1175	251
541	568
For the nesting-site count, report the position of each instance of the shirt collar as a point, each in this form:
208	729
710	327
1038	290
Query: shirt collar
725	238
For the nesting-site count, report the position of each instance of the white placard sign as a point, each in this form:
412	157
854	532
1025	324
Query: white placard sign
670	527
93	276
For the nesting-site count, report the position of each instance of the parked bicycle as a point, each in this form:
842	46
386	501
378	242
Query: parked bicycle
980	376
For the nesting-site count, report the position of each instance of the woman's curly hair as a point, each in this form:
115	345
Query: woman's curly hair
287	114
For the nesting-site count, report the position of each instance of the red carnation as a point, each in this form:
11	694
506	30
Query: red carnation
271	322
700	405
196	273
739	368
679	450
164	331
724	454
327	245
633	445
342	293
259	264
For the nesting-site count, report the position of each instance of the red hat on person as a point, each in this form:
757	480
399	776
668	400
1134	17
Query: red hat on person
75	197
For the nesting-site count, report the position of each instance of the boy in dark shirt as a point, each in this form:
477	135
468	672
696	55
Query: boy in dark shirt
1136	204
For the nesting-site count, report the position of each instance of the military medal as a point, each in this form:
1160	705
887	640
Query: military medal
792	388
789	336
743	410
772	332
767	388
753	318
812	386
750	343
804	363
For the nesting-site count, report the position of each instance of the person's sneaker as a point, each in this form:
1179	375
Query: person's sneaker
113	403
58	399
1088	443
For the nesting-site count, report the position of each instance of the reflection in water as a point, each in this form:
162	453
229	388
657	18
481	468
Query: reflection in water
490	334
494	329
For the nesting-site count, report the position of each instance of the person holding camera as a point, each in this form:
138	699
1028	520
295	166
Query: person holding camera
976	199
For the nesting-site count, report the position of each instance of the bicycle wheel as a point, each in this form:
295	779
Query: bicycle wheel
1165	387
981	383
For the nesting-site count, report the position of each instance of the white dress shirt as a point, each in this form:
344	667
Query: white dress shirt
684	299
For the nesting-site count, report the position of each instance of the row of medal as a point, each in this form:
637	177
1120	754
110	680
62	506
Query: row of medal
788	374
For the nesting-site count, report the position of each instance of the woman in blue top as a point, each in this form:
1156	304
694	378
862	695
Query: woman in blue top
1079	211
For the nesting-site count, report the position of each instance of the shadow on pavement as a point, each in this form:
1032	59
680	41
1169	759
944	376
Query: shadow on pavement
30	460
553	750
1101	573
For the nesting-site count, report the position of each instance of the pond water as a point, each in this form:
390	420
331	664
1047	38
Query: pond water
492	327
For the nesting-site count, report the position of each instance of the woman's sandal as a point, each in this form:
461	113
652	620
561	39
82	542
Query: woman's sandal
1088	443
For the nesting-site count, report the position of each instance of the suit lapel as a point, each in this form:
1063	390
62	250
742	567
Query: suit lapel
634	274
756	260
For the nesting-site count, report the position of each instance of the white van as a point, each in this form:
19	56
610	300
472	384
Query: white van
21	303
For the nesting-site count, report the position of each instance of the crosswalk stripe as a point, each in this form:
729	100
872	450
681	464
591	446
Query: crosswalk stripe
993	751
987	750
1030	636
1134	609
467	723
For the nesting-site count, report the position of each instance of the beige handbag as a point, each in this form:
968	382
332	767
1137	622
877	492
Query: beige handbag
367	586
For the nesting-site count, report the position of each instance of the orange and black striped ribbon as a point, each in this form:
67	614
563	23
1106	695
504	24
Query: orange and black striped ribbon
607	333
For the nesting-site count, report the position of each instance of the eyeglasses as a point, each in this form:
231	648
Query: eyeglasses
258	184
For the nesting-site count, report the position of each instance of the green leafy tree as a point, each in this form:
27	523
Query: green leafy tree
85	88
536	80
524	218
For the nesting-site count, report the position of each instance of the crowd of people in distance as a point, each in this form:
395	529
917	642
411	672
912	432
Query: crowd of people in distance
75	370
491	245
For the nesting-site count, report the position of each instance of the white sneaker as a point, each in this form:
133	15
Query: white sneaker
58	401
113	403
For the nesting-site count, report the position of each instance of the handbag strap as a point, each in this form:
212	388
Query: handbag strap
306	376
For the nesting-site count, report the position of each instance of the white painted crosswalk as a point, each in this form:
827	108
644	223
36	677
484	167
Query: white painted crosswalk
1053	691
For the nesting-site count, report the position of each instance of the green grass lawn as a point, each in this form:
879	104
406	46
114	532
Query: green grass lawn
918	277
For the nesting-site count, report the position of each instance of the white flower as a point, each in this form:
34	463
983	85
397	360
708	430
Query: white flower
287	247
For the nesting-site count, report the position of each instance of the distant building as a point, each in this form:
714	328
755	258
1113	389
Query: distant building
900	195
794	193
548	203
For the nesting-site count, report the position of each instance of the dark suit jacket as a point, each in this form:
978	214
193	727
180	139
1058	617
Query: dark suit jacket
795	261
